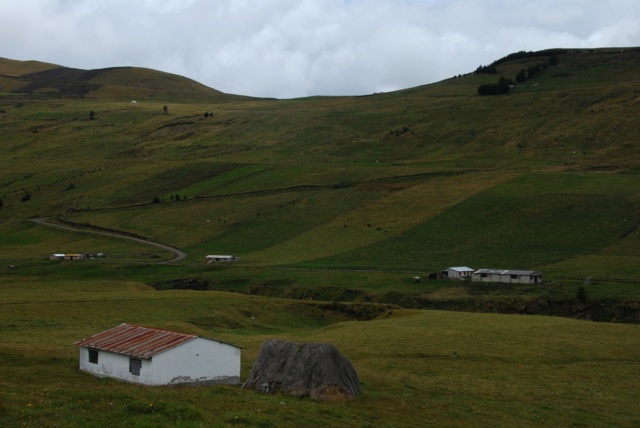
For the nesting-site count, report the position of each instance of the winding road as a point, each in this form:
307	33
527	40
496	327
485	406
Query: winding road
177	254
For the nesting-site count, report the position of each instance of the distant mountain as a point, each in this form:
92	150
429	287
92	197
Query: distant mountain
33	77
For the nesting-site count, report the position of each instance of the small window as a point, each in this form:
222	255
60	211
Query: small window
514	276
135	365
483	275
93	356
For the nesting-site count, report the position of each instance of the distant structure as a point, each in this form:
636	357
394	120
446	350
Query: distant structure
62	256
507	276
153	357
221	259
457	272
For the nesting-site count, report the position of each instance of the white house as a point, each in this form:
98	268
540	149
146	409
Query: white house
507	276
458	272
158	357
221	259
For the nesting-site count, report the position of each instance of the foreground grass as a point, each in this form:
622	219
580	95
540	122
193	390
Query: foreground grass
417	368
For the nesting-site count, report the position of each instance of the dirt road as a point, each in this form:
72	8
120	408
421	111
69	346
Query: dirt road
177	254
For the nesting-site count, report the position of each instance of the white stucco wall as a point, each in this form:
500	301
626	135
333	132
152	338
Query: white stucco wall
456	274
114	365
197	361
496	277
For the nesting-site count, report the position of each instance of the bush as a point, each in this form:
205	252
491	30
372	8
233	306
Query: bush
581	295
502	87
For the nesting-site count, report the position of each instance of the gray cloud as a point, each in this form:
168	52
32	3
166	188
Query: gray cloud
294	48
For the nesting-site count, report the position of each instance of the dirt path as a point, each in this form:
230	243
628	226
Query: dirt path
177	254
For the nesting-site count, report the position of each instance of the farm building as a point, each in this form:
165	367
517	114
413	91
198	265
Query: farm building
458	272
56	256
74	257
221	259
507	276
151	356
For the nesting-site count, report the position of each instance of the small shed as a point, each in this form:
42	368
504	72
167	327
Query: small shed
56	256
221	259
507	276
151	356
458	272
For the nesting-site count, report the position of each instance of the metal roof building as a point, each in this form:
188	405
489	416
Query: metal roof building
509	276
135	341
158	357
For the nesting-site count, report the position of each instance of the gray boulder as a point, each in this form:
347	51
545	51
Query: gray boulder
315	370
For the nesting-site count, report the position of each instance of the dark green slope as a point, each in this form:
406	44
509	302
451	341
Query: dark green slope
533	220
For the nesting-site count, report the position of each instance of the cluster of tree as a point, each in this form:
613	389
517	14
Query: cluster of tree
551	53
502	87
530	54
486	69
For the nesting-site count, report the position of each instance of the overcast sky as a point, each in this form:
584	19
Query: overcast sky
297	48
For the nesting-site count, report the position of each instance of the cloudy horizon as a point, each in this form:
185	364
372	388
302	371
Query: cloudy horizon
298	48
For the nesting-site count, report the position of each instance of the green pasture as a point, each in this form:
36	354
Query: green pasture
416	367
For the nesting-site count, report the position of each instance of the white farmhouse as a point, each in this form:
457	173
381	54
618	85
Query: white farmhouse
507	276
157	357
458	272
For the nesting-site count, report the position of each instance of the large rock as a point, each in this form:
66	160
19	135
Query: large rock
316	370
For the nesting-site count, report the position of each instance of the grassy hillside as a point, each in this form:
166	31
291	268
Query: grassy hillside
416	179
416	367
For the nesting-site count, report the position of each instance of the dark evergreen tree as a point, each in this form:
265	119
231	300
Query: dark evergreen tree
503	85
534	70
581	295
486	69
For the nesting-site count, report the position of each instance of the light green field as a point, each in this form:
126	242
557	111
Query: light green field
416	367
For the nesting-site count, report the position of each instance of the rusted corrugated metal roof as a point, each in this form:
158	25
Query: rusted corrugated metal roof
135	341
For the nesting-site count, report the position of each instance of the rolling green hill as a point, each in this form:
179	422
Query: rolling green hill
338	208
416	179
